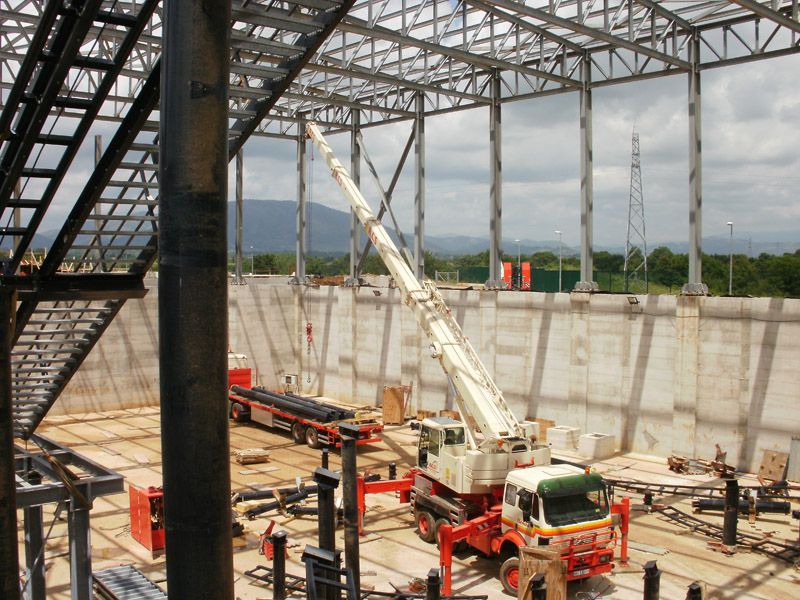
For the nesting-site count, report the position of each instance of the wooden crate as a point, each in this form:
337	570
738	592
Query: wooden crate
773	466
424	414
534	560
453	414
543	425
394	405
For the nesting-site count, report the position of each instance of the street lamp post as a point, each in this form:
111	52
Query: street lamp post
730	261
519	265
252	270
559	258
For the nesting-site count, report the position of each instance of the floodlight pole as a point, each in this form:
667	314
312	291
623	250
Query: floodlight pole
559	259
730	260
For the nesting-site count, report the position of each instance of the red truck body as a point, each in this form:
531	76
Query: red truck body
302	429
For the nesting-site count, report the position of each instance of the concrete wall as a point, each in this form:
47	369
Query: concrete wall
669	374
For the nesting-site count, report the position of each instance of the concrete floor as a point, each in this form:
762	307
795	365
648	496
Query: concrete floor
128	442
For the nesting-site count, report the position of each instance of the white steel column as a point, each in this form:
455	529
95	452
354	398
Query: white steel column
419	187
355	173
586	282
695	283
300	245
496	188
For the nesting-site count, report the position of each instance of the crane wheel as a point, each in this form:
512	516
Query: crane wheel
312	438
509	575
298	435
426	526
238	413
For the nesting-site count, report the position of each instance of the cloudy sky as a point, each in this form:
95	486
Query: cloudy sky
751	163
751	166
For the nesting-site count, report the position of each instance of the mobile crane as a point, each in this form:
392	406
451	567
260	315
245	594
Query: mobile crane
484	476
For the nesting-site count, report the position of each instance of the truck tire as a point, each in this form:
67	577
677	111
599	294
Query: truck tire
312	438
238	413
509	575
426	526
298	435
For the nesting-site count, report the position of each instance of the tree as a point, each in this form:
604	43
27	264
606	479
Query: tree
611	263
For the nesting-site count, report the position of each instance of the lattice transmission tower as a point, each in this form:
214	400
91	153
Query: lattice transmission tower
635	268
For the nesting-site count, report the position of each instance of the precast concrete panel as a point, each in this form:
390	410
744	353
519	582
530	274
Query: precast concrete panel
666	374
648	393
121	371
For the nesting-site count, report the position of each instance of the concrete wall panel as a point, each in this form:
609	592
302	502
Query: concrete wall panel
664	374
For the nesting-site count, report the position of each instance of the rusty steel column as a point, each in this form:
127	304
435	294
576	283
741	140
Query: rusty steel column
192	290
349	434
9	555
731	515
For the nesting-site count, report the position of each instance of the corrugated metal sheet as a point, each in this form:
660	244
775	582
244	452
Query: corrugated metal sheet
125	583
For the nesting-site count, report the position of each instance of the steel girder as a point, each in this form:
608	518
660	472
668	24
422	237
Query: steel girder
63	72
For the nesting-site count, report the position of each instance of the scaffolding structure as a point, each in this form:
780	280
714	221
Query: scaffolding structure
69	70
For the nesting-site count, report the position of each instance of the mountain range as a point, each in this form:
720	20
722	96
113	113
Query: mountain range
269	226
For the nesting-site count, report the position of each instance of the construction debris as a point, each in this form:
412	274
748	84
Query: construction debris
700	466
251	456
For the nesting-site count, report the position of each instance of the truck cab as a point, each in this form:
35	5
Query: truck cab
565	508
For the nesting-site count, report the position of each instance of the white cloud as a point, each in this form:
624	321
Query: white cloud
751	167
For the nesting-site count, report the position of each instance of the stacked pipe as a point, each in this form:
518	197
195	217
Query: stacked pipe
762	506
302	407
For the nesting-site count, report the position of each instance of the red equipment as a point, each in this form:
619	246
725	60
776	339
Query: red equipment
147	516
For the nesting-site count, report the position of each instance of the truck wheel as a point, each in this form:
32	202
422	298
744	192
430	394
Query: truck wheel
298	435
312	438
426	526
509	575
238	413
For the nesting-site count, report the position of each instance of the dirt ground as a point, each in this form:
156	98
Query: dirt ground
391	553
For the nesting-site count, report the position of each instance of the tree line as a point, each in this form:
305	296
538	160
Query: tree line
767	275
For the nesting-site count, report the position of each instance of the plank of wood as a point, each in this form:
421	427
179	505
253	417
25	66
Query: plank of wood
394	410
534	560
257	471
646	548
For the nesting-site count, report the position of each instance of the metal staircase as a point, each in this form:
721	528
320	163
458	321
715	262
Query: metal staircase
109	239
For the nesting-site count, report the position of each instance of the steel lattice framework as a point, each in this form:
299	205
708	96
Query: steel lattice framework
636	234
67	66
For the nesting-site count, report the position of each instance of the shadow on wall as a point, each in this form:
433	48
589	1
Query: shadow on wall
760	382
540	355
631	413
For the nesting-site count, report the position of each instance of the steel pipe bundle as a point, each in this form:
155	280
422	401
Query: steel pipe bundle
262	494
762	506
303	407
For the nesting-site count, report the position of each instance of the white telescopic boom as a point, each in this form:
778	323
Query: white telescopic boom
477	396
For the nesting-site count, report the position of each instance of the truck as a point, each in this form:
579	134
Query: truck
310	421
482	481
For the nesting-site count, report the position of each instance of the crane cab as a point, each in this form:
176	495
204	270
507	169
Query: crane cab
441	441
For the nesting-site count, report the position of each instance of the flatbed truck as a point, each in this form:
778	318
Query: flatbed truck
309	421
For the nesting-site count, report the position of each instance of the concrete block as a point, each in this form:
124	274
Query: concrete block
531	429
563	437
596	445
